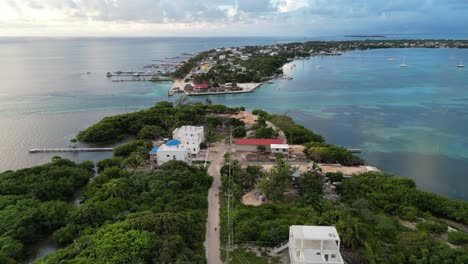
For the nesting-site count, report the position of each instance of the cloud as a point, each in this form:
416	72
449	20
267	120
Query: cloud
265	17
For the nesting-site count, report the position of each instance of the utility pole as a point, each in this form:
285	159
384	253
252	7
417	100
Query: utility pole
228	248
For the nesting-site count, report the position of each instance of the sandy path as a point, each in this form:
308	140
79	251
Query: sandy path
212	242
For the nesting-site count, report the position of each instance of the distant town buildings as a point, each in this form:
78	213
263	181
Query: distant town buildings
314	245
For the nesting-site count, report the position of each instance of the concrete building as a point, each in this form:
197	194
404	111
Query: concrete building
172	150
251	144
279	148
190	137
314	245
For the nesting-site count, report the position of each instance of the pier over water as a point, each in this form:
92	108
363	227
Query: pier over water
43	150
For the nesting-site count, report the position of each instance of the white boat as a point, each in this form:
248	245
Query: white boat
391	59
318	67
451	57
461	64
404	65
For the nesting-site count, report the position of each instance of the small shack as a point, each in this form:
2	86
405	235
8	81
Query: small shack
279	148
251	144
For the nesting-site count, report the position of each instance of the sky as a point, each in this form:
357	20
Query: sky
298	18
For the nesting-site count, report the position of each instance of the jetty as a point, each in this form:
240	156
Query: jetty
44	150
355	150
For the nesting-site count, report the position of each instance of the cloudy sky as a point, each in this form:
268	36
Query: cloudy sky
230	17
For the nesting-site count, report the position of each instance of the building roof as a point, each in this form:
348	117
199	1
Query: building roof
257	141
154	150
279	146
173	142
314	232
201	86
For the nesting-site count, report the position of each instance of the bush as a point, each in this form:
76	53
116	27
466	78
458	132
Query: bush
109	163
409	213
327	153
432	226
151	132
458	237
126	149
239	132
264	132
334	176
261	148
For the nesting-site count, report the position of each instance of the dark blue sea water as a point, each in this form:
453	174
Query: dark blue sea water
410	121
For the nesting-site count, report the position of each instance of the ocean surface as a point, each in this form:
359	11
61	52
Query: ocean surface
410	121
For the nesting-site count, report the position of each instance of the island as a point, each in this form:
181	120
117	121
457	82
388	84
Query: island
197	183
243	69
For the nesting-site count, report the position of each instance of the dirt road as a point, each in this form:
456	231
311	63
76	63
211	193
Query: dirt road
212	242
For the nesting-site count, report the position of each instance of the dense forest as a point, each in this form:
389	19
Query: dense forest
155	122
34	203
143	217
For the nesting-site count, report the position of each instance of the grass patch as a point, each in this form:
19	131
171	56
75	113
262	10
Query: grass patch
244	255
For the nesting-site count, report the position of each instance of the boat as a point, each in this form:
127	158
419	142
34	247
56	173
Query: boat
318	67
461	64
404	65
390	59
109	74
270	82
451	57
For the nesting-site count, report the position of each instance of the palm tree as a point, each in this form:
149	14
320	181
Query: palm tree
373	251
349	231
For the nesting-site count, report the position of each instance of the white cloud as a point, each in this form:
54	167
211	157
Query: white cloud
239	17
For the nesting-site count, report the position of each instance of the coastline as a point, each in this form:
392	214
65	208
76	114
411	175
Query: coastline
177	84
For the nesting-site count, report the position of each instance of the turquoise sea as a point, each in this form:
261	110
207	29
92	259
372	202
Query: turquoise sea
409	121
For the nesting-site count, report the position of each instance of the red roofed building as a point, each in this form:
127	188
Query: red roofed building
202	86
251	144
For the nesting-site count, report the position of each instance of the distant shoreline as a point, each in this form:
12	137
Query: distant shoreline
365	36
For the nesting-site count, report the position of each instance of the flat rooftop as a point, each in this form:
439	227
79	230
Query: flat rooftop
314	232
279	146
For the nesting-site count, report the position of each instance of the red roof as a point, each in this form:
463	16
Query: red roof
257	141
201	86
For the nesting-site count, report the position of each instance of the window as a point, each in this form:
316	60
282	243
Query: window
168	156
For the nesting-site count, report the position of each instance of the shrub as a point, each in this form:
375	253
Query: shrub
458	238
432	226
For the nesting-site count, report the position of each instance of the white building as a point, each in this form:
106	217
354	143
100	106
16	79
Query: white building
190	137
279	148
172	150
314	245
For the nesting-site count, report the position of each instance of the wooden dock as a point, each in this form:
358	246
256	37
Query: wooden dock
44	150
355	150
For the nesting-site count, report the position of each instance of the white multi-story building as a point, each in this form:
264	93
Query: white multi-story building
172	150
190	137
314	245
